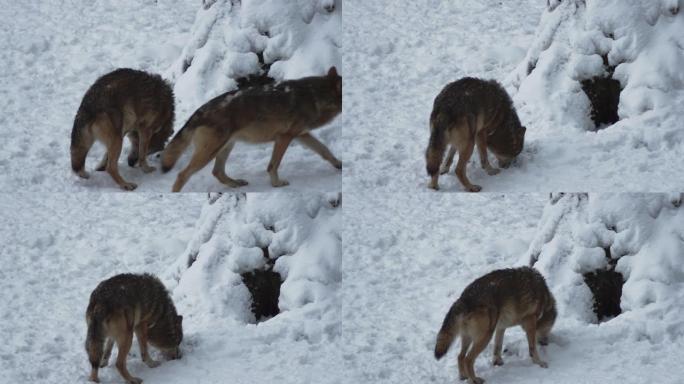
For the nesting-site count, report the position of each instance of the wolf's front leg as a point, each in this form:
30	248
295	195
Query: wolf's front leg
141	334
279	148
449	160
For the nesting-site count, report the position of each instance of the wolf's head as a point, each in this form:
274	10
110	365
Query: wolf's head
329	95
167	334
508	141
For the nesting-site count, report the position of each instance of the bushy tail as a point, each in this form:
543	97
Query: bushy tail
177	145
81	139
436	147
95	338
449	330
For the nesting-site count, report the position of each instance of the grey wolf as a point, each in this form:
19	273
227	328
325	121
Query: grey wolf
126	304
467	112
492	303
125	102
273	112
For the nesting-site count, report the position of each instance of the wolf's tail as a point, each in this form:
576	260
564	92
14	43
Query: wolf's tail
449	330
95	338
81	138
177	145
436	146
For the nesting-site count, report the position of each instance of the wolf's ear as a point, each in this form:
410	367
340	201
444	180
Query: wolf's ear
332	72
524	129
179	318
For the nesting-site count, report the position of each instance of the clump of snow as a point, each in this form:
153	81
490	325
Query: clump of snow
642	235
298	235
234	39
641	41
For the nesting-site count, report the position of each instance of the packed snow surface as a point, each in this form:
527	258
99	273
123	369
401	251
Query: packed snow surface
408	257
58	247
54	50
401	54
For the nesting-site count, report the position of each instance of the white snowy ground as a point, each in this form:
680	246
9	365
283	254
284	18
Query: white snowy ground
407	258
399	55
52	51
57	247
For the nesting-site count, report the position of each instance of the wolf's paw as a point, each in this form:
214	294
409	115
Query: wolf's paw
498	361
443	170
477	380
104	363
135	380
474	188
280	183
542	364
236	183
462	377
147	169
101	168
337	164
83	174
493	171
152	363
129	186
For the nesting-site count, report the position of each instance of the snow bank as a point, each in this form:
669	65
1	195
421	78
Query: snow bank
641	235
234	39
295	235
638	43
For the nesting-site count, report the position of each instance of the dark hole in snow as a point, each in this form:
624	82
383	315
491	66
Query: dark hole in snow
264	286
604	95
606	287
256	80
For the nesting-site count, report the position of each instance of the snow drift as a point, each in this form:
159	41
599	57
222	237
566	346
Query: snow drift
233	40
294	236
639	236
632	50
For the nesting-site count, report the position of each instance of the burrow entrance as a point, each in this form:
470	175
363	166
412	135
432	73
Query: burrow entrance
606	287
264	287
604	95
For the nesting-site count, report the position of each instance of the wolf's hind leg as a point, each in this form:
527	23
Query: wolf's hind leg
107	352
465	150
462	369
479	344
448	161
529	324
279	148
123	342
315	145
498	346
219	170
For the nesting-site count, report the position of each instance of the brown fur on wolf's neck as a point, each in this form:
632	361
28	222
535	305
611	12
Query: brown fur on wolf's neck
471	112
127	304
280	113
123	102
492	303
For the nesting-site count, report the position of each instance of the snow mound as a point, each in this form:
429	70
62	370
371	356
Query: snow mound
236	39
640	236
639	44
294	235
